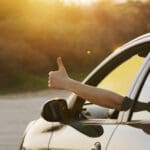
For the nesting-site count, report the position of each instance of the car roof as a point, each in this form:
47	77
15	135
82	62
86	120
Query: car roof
126	48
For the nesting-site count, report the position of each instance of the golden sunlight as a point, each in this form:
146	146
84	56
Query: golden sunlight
84	2
88	2
41	1
77	2
120	1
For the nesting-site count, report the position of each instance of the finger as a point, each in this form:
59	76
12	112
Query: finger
49	84
49	81
60	64
50	73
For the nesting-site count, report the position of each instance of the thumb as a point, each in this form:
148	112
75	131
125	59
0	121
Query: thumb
60	64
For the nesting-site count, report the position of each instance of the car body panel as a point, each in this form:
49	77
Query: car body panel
69	138
130	137
38	135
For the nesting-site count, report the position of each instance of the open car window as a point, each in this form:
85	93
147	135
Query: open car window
119	81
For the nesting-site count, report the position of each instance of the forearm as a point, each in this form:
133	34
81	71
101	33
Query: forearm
95	95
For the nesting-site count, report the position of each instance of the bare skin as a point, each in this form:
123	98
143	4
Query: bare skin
60	80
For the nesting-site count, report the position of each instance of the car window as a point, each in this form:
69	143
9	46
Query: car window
119	81
144	100
120	78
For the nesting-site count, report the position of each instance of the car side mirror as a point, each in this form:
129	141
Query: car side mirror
56	110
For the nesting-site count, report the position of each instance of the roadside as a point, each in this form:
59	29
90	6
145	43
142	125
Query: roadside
17	110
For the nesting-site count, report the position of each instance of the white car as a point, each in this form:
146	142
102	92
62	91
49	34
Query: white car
76	124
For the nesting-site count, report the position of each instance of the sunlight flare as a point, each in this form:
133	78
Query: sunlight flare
82	2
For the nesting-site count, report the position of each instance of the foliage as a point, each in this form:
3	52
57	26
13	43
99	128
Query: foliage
34	34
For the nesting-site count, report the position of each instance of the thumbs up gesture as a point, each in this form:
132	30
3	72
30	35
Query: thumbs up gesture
58	79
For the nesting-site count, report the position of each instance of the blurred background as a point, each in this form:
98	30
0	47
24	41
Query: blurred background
33	33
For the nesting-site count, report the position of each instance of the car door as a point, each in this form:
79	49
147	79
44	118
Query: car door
134	132
85	135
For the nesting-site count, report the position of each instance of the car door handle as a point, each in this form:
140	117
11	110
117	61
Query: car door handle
97	146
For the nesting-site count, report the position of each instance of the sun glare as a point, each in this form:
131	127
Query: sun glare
77	2
82	2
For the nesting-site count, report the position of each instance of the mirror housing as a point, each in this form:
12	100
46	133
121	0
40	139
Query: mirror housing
56	110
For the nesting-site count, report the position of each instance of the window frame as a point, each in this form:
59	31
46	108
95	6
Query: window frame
136	88
138	94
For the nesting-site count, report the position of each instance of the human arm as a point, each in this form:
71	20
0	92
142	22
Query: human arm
60	80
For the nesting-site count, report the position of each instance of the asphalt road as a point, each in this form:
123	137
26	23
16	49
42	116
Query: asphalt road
16	111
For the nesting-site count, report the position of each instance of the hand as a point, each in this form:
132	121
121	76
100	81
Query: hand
58	79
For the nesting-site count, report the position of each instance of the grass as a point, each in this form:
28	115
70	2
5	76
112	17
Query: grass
24	82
